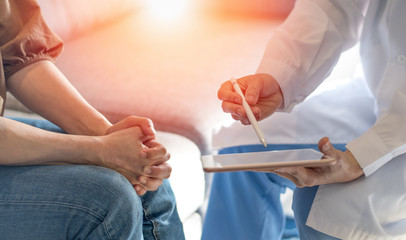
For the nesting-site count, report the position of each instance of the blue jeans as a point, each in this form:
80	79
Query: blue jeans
81	202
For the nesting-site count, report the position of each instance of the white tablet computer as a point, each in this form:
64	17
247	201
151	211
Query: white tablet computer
264	160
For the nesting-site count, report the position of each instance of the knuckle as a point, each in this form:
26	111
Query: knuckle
224	106
235	117
163	150
220	94
308	182
169	172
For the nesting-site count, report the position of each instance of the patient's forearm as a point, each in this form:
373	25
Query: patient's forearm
21	144
46	91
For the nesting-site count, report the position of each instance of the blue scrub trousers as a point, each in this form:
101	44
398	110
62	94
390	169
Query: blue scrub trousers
81	202
246	205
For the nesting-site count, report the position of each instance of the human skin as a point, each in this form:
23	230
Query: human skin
263	94
129	146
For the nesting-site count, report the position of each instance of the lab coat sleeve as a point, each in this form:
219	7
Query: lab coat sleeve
304	49
385	140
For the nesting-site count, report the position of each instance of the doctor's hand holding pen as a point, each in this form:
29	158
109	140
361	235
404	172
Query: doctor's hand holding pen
264	96
261	92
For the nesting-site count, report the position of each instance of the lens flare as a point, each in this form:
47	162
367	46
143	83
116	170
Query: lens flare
167	10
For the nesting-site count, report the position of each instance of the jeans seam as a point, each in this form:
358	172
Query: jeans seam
155	224
75	206
46	203
107	230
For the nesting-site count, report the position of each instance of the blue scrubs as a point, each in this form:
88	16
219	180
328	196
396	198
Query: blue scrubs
246	205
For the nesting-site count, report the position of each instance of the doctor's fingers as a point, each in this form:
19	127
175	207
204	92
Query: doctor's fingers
327	148
233	108
227	93
253	90
292	178
243	119
301	176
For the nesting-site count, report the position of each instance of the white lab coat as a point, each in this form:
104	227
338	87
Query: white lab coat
301	54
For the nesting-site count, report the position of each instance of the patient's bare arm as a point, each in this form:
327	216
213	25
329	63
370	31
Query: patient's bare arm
45	90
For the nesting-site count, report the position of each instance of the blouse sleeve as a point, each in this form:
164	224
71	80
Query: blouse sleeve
24	36
304	49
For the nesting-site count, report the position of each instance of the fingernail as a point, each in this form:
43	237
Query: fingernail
147	170
240	111
143	181
327	147
152	130
250	99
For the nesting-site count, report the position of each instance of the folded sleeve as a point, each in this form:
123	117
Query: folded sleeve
385	140
304	49
24	36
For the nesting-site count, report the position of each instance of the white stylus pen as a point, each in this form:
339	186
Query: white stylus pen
250	115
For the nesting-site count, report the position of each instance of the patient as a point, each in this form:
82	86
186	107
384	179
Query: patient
83	177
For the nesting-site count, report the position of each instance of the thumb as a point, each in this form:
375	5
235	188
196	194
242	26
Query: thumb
254	87
144	123
326	147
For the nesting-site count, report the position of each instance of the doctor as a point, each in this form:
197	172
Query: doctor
363	195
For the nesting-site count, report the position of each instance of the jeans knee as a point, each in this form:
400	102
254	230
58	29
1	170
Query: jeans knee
82	199
113	189
117	200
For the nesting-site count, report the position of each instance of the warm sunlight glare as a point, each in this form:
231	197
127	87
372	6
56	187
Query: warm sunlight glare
167	10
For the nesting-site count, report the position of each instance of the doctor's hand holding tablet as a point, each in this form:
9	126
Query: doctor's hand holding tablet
261	92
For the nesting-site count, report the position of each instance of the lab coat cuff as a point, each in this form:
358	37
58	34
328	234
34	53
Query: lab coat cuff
370	152
284	75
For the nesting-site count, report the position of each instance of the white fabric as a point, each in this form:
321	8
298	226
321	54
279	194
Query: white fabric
187	178
301	54
326	112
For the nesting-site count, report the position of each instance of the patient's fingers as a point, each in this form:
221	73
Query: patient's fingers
150	184
144	123
139	190
156	152
162	171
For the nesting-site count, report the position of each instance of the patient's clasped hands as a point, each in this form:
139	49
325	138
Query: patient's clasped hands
130	147
264	95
